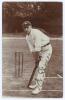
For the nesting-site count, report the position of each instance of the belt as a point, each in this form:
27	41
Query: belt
46	44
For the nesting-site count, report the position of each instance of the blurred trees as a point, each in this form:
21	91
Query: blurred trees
46	15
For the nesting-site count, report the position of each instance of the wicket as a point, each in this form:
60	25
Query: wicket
18	64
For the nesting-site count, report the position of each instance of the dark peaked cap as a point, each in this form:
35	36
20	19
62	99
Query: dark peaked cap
26	24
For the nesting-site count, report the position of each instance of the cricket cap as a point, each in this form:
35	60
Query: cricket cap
26	24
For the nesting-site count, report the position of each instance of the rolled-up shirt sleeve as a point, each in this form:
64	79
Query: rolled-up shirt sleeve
37	44
31	48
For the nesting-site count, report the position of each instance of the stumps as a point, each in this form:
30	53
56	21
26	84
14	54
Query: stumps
18	64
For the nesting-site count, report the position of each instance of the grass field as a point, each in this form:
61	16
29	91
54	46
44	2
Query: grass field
17	86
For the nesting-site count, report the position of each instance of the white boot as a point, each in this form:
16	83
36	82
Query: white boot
37	90
32	86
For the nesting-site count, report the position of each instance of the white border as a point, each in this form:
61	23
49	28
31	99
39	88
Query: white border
1	45
0	48
32	0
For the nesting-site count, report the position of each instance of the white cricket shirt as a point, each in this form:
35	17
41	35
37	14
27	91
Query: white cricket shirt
36	39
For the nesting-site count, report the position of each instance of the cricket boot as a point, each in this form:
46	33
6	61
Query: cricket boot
32	86
37	90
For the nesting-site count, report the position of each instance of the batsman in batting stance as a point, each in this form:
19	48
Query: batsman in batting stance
41	49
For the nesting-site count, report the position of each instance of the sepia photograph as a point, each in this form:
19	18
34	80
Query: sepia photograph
32	49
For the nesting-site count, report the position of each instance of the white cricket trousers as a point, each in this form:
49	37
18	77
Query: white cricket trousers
45	54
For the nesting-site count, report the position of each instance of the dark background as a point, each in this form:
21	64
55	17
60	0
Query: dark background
44	15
